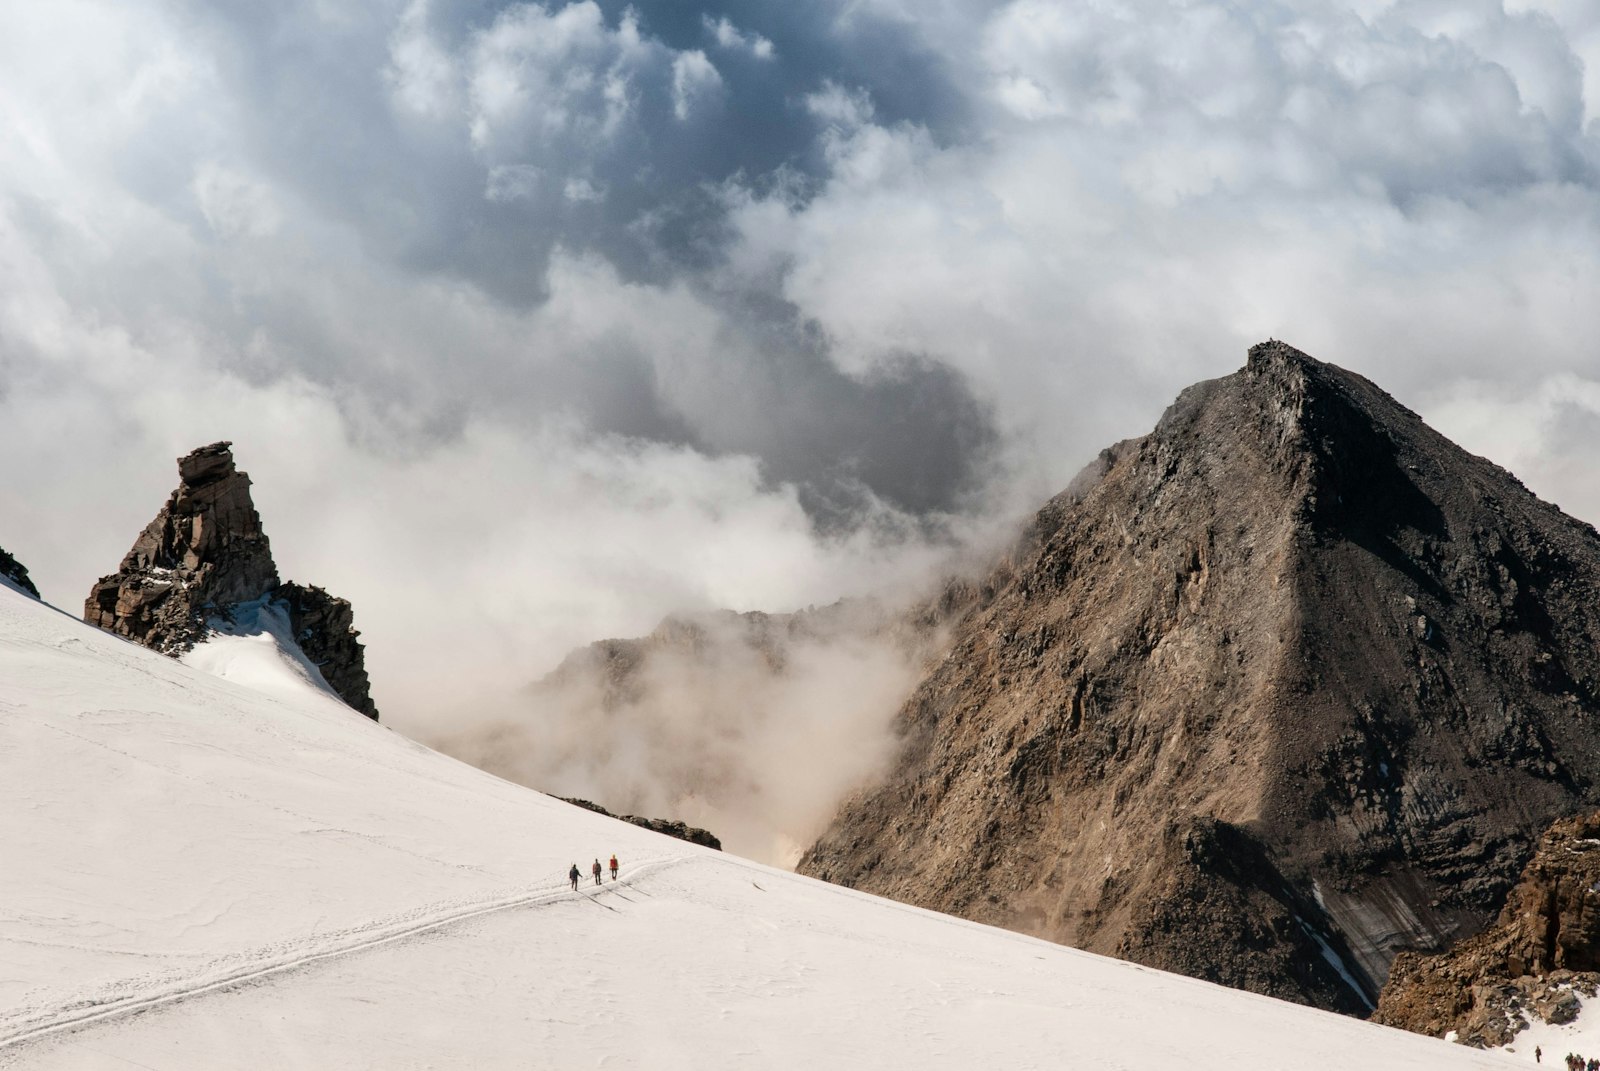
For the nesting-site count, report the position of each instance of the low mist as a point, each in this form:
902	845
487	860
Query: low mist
752	726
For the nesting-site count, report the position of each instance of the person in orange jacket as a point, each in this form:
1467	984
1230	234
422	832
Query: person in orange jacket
613	866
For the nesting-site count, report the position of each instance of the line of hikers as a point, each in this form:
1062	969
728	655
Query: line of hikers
573	875
1578	1063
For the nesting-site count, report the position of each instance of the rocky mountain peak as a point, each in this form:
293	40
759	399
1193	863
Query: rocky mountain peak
1293	621
205	555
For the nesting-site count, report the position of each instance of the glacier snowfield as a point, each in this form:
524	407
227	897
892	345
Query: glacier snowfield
220	866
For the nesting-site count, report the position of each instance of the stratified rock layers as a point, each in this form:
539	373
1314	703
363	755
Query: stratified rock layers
1268	695
205	553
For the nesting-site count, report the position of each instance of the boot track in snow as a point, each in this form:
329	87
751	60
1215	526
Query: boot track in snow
33	1024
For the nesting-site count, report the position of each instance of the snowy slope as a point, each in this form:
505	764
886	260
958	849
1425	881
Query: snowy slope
200	875
257	649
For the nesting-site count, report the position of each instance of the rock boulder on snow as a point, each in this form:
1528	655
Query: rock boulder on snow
205	553
14	571
670	827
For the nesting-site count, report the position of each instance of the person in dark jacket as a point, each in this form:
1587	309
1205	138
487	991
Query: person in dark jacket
572	876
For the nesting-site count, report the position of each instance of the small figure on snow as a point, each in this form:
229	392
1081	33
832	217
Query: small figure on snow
572	876
595	870
1538	1055
613	866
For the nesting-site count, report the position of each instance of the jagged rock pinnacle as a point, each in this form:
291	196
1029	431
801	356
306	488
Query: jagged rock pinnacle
204	554
204	550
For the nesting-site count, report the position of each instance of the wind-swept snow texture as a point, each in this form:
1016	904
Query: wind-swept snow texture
200	875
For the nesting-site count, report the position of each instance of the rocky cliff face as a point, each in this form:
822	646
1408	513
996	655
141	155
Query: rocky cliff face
324	627
1284	687
13	571
206	553
1539	959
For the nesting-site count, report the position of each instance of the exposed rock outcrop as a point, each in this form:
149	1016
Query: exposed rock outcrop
669	827
14	571
324	627
205	553
1281	689
1540	959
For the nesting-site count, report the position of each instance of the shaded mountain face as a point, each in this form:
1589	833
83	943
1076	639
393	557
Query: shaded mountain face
205	555
1285	686
14	571
1541	955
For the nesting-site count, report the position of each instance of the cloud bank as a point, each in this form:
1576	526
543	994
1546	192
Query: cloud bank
752	726
534	322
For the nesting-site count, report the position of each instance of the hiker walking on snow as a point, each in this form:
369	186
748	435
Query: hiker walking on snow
572	876
595	870
613	866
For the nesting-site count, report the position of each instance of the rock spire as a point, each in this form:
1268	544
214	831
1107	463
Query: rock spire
204	555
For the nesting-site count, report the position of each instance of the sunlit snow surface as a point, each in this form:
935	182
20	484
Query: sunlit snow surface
1581	1036
256	649
198	875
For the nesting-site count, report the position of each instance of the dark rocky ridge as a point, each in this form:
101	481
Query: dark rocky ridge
1541	955
14	571
1282	688
670	827
204	555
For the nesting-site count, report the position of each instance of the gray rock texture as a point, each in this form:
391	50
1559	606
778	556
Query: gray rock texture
1281	689
205	553
14	571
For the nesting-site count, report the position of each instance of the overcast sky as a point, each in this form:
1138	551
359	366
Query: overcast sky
534	322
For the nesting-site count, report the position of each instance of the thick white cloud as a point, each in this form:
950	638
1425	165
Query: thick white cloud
729	36
693	77
1412	194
